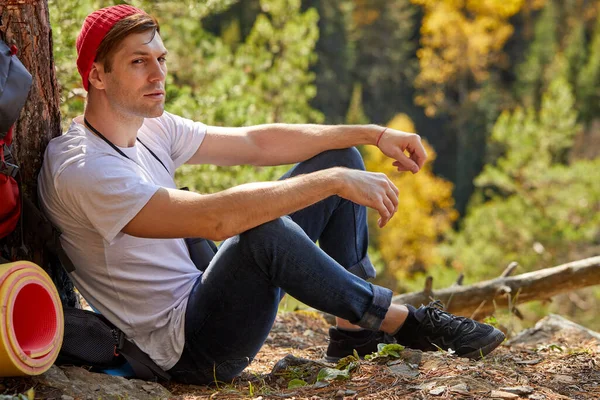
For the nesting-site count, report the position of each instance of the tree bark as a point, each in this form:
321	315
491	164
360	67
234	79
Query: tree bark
483	298
26	24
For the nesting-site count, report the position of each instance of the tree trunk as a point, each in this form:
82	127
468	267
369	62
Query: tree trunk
26	24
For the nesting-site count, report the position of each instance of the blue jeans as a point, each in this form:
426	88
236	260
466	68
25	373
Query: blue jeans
233	305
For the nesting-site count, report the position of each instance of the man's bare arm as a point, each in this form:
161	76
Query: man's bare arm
175	214
277	144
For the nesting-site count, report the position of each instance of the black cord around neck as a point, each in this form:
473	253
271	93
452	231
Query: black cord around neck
111	144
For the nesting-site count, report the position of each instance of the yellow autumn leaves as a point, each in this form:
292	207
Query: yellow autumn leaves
460	40
409	242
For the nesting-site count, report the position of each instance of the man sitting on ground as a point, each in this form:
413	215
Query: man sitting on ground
107	183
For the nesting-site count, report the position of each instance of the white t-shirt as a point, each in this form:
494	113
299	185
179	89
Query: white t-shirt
91	192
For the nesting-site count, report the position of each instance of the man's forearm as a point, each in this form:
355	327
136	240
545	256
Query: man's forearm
286	143
174	213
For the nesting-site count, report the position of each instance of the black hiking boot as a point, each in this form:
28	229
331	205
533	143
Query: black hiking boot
429	328
343	343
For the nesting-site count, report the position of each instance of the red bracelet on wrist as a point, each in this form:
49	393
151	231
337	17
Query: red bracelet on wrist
379	138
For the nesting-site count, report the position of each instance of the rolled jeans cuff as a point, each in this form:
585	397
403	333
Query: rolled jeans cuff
373	317
363	269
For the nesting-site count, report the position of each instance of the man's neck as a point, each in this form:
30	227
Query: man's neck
121	130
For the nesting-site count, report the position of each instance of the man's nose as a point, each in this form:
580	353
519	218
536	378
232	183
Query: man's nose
158	72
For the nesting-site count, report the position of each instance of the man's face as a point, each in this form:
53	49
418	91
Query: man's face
136	84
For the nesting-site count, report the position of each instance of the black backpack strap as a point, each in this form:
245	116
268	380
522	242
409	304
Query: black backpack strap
49	235
142	365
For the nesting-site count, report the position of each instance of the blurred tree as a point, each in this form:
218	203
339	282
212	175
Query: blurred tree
543	48
266	79
540	211
575	52
588	80
460	42
336	58
461	59
384	35
356	113
408	244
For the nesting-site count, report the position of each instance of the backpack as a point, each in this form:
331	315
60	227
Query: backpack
90	339
15	82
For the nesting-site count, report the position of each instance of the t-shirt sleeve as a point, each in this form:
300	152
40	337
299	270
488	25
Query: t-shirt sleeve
180	135
105	191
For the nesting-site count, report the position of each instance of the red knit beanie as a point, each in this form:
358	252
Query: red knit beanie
94	29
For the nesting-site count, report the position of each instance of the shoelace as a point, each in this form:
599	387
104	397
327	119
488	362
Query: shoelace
451	324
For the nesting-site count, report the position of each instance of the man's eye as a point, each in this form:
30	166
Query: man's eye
138	61
162	59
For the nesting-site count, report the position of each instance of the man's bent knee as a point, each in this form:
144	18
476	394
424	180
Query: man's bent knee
349	158
272	230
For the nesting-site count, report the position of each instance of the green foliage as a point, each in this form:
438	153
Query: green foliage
264	79
575	52
333	374
383	34
530	74
538	208
28	395
588	80
296	383
336	58
356	114
385	351
234	63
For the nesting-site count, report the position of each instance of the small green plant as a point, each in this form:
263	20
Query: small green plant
491	320
28	395
342	370
576	351
296	383
551	346
385	351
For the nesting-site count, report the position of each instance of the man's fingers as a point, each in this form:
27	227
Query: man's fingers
393	195
394	189
391	208
403	163
417	152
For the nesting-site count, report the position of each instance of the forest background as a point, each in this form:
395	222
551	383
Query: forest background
506	94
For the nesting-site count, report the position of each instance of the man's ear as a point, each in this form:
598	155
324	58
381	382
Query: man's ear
96	76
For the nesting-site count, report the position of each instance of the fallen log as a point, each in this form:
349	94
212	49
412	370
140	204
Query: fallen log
481	299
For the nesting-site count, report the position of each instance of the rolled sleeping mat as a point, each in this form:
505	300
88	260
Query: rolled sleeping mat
31	320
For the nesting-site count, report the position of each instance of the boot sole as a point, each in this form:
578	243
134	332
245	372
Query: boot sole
495	338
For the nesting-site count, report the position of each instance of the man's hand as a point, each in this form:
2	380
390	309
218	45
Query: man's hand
393	143
370	189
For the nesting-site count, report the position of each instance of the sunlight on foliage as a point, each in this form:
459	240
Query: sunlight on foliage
460	41
534	207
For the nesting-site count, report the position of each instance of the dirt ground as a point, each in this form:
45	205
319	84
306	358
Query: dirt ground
565	366
555	363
